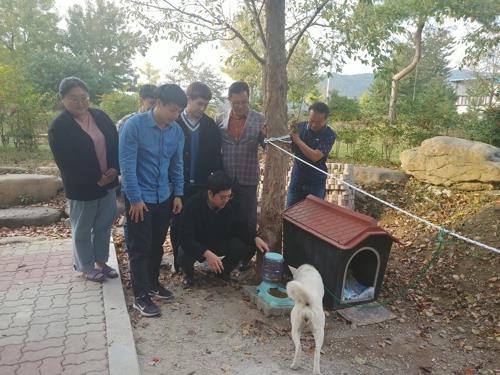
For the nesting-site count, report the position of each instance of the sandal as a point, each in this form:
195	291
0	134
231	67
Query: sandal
95	275
109	272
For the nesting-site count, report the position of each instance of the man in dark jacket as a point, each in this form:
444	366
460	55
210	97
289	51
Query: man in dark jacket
211	227
202	148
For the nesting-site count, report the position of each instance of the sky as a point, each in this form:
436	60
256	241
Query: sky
161	54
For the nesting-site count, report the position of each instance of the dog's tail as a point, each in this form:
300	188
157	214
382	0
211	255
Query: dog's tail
297	292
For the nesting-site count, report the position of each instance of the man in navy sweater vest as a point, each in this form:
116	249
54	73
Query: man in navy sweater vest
202	149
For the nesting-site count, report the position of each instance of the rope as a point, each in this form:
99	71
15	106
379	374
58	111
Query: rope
415	217
283	138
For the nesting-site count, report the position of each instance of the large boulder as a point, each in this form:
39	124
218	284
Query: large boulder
27	188
454	162
375	175
28	216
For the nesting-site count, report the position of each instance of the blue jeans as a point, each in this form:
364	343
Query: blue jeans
298	191
91	223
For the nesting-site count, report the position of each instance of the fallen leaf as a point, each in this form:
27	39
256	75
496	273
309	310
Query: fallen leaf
360	360
154	361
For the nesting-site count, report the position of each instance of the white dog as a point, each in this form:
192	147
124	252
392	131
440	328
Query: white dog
307	291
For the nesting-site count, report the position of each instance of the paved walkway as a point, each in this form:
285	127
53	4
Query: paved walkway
52	321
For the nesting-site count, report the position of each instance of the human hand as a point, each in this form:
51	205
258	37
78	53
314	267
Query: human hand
104	180
261	245
137	211
107	177
111	173
214	262
295	137
177	205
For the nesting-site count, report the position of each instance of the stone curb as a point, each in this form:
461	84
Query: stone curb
122	355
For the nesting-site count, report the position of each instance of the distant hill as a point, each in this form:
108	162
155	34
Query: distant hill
354	85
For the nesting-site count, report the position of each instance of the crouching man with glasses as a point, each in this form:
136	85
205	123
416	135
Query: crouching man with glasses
211	228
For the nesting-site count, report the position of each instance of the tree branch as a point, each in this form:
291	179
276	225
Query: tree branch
417	38
260	59
396	77
306	26
256	15
215	20
174	9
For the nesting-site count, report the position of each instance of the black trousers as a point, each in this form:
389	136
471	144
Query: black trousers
189	191
245	199
233	249
145	245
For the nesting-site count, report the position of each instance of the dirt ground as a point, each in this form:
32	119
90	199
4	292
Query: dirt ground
447	322
212	328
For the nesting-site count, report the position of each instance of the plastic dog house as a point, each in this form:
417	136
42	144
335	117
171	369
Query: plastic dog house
349	249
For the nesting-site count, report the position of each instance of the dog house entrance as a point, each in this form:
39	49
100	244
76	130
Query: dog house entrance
360	276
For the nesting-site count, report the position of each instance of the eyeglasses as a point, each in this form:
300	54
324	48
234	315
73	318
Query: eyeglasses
78	99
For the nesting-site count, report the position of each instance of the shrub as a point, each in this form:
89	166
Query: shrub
118	104
23	113
480	125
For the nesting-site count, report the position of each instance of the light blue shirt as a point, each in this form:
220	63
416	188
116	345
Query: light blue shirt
151	161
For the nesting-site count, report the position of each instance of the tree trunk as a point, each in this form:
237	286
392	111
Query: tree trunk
275	111
417	37
392	100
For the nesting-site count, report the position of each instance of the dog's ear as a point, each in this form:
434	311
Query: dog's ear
293	270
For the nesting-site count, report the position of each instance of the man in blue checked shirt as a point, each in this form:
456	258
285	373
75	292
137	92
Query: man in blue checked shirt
151	162
312	142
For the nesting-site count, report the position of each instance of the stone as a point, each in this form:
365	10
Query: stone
20	239
4	169
454	162
48	170
67	223
375	175
29	216
18	189
120	208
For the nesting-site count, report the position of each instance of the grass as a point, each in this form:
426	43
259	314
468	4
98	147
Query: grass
24	158
370	154
340	154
